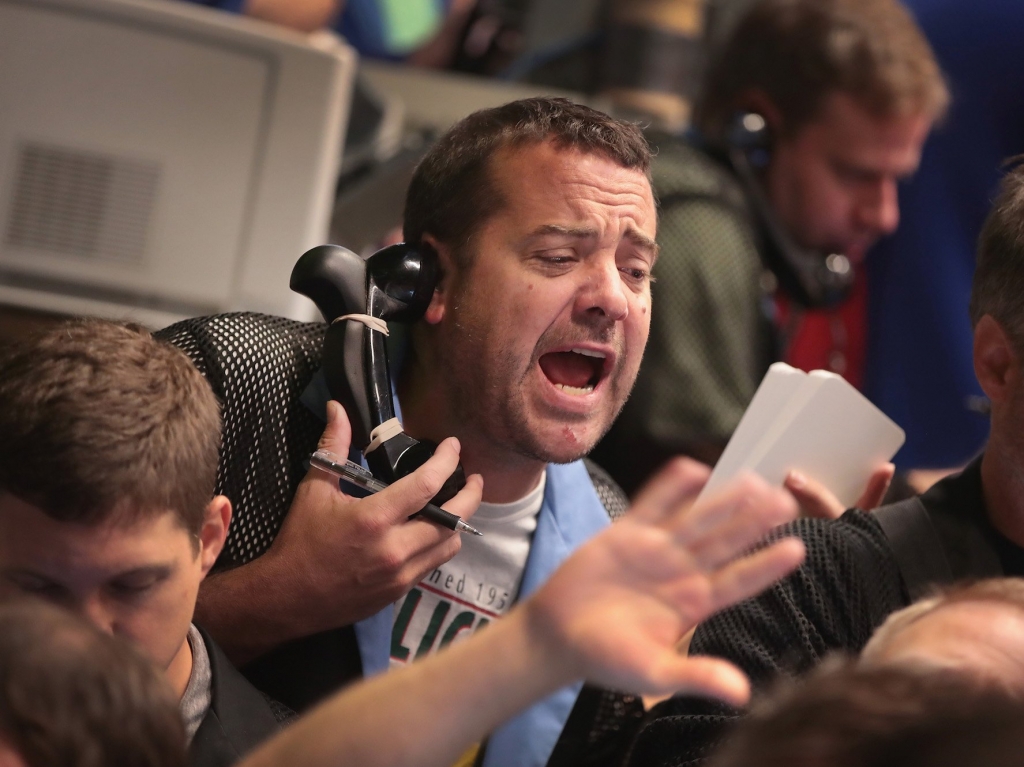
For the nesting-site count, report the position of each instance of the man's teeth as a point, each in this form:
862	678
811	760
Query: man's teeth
590	353
579	391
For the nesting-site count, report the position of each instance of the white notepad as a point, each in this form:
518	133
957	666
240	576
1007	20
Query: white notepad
815	423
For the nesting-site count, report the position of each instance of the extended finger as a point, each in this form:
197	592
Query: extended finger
698	675
465	503
673	488
746	509
877	487
738	532
754	573
419	536
411	493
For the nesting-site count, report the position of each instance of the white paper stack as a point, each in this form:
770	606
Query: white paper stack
815	423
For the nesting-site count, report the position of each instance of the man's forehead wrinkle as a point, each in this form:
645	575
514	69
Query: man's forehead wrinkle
21	570
604	194
634	208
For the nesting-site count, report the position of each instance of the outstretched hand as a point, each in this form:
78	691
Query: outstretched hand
616	609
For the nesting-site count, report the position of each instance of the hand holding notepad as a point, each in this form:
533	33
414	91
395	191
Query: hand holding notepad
815	423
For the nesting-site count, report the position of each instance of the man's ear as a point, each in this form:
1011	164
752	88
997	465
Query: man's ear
436	310
996	362
214	532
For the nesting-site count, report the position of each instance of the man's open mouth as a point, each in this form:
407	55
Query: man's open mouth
577	371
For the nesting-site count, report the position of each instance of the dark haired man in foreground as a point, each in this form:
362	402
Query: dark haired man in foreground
107	470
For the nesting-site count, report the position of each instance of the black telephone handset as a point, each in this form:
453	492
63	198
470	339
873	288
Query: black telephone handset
812	279
393	285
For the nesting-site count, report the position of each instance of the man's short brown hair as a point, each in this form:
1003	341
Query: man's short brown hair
798	52
998	287
451	194
100	420
71	695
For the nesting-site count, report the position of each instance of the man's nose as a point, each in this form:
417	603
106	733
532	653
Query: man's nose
603	292
880	212
95	610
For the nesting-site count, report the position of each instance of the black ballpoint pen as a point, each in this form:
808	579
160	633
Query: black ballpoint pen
360	477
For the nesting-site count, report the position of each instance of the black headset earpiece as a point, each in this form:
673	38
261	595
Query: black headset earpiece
394	284
812	279
749	133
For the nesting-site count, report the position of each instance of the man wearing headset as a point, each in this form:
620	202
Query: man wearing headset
810	114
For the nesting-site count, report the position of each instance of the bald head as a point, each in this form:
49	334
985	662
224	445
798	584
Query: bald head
976	629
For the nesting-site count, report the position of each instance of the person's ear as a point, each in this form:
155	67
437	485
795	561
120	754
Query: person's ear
996	361
214	532
438	302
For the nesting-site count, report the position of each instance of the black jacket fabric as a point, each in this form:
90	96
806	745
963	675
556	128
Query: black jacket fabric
849	583
239	719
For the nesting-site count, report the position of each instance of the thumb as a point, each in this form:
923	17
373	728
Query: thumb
878	486
337	434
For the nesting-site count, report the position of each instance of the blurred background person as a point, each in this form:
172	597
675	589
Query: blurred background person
809	115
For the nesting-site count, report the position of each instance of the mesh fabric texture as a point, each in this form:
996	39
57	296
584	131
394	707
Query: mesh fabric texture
258	365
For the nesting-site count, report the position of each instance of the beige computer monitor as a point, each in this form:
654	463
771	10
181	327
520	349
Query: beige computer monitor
160	160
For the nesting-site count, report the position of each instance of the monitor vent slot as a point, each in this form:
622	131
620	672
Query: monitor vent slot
81	204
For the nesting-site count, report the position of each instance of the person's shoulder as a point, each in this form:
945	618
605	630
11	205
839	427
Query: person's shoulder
850	571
